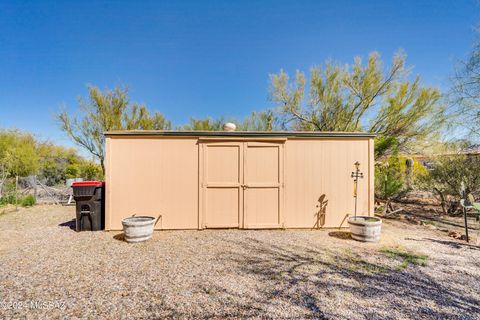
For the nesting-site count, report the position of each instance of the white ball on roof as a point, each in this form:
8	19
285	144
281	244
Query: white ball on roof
229	126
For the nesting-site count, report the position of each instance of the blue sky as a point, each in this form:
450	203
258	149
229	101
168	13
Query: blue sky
206	58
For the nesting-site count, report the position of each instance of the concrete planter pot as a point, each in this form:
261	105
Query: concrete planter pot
138	229
364	228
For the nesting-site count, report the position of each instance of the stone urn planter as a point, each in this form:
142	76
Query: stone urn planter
138	229
365	228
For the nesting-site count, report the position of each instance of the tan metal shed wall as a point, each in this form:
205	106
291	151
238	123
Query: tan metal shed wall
317	167
160	175
151	176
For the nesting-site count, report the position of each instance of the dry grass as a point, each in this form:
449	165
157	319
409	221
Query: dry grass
232	273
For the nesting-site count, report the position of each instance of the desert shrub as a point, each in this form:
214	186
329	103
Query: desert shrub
389	177
447	175
389	180
419	172
28	201
9	198
389	172
9	185
393	177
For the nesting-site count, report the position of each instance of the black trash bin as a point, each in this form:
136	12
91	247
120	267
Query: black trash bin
89	197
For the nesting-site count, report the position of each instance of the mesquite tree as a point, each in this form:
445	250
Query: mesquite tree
106	111
361	98
465	93
266	120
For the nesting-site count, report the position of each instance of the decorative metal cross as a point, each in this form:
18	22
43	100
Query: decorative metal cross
356	174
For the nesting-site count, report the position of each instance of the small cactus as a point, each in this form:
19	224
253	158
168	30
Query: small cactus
409	162
409	171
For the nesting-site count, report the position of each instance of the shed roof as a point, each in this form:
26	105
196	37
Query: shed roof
240	133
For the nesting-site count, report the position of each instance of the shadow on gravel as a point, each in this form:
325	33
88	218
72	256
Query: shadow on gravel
70	224
343	235
119	237
305	279
451	244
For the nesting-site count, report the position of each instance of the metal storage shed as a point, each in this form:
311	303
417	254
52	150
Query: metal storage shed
250	180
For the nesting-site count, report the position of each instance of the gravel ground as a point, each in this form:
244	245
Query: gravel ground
49	271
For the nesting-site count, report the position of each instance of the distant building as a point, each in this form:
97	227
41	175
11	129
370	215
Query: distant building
427	162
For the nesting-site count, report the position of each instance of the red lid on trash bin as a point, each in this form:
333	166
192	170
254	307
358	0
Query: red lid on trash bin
88	184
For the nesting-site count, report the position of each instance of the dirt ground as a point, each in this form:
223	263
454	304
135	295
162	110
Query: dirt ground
47	270
421	207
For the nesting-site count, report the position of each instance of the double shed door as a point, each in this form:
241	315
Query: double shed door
241	185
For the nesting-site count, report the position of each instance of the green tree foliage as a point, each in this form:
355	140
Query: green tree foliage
361	98
106	111
91	171
465	92
389	180
140	118
23	155
256	121
57	163
206	124
18	153
389	177
72	171
261	121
